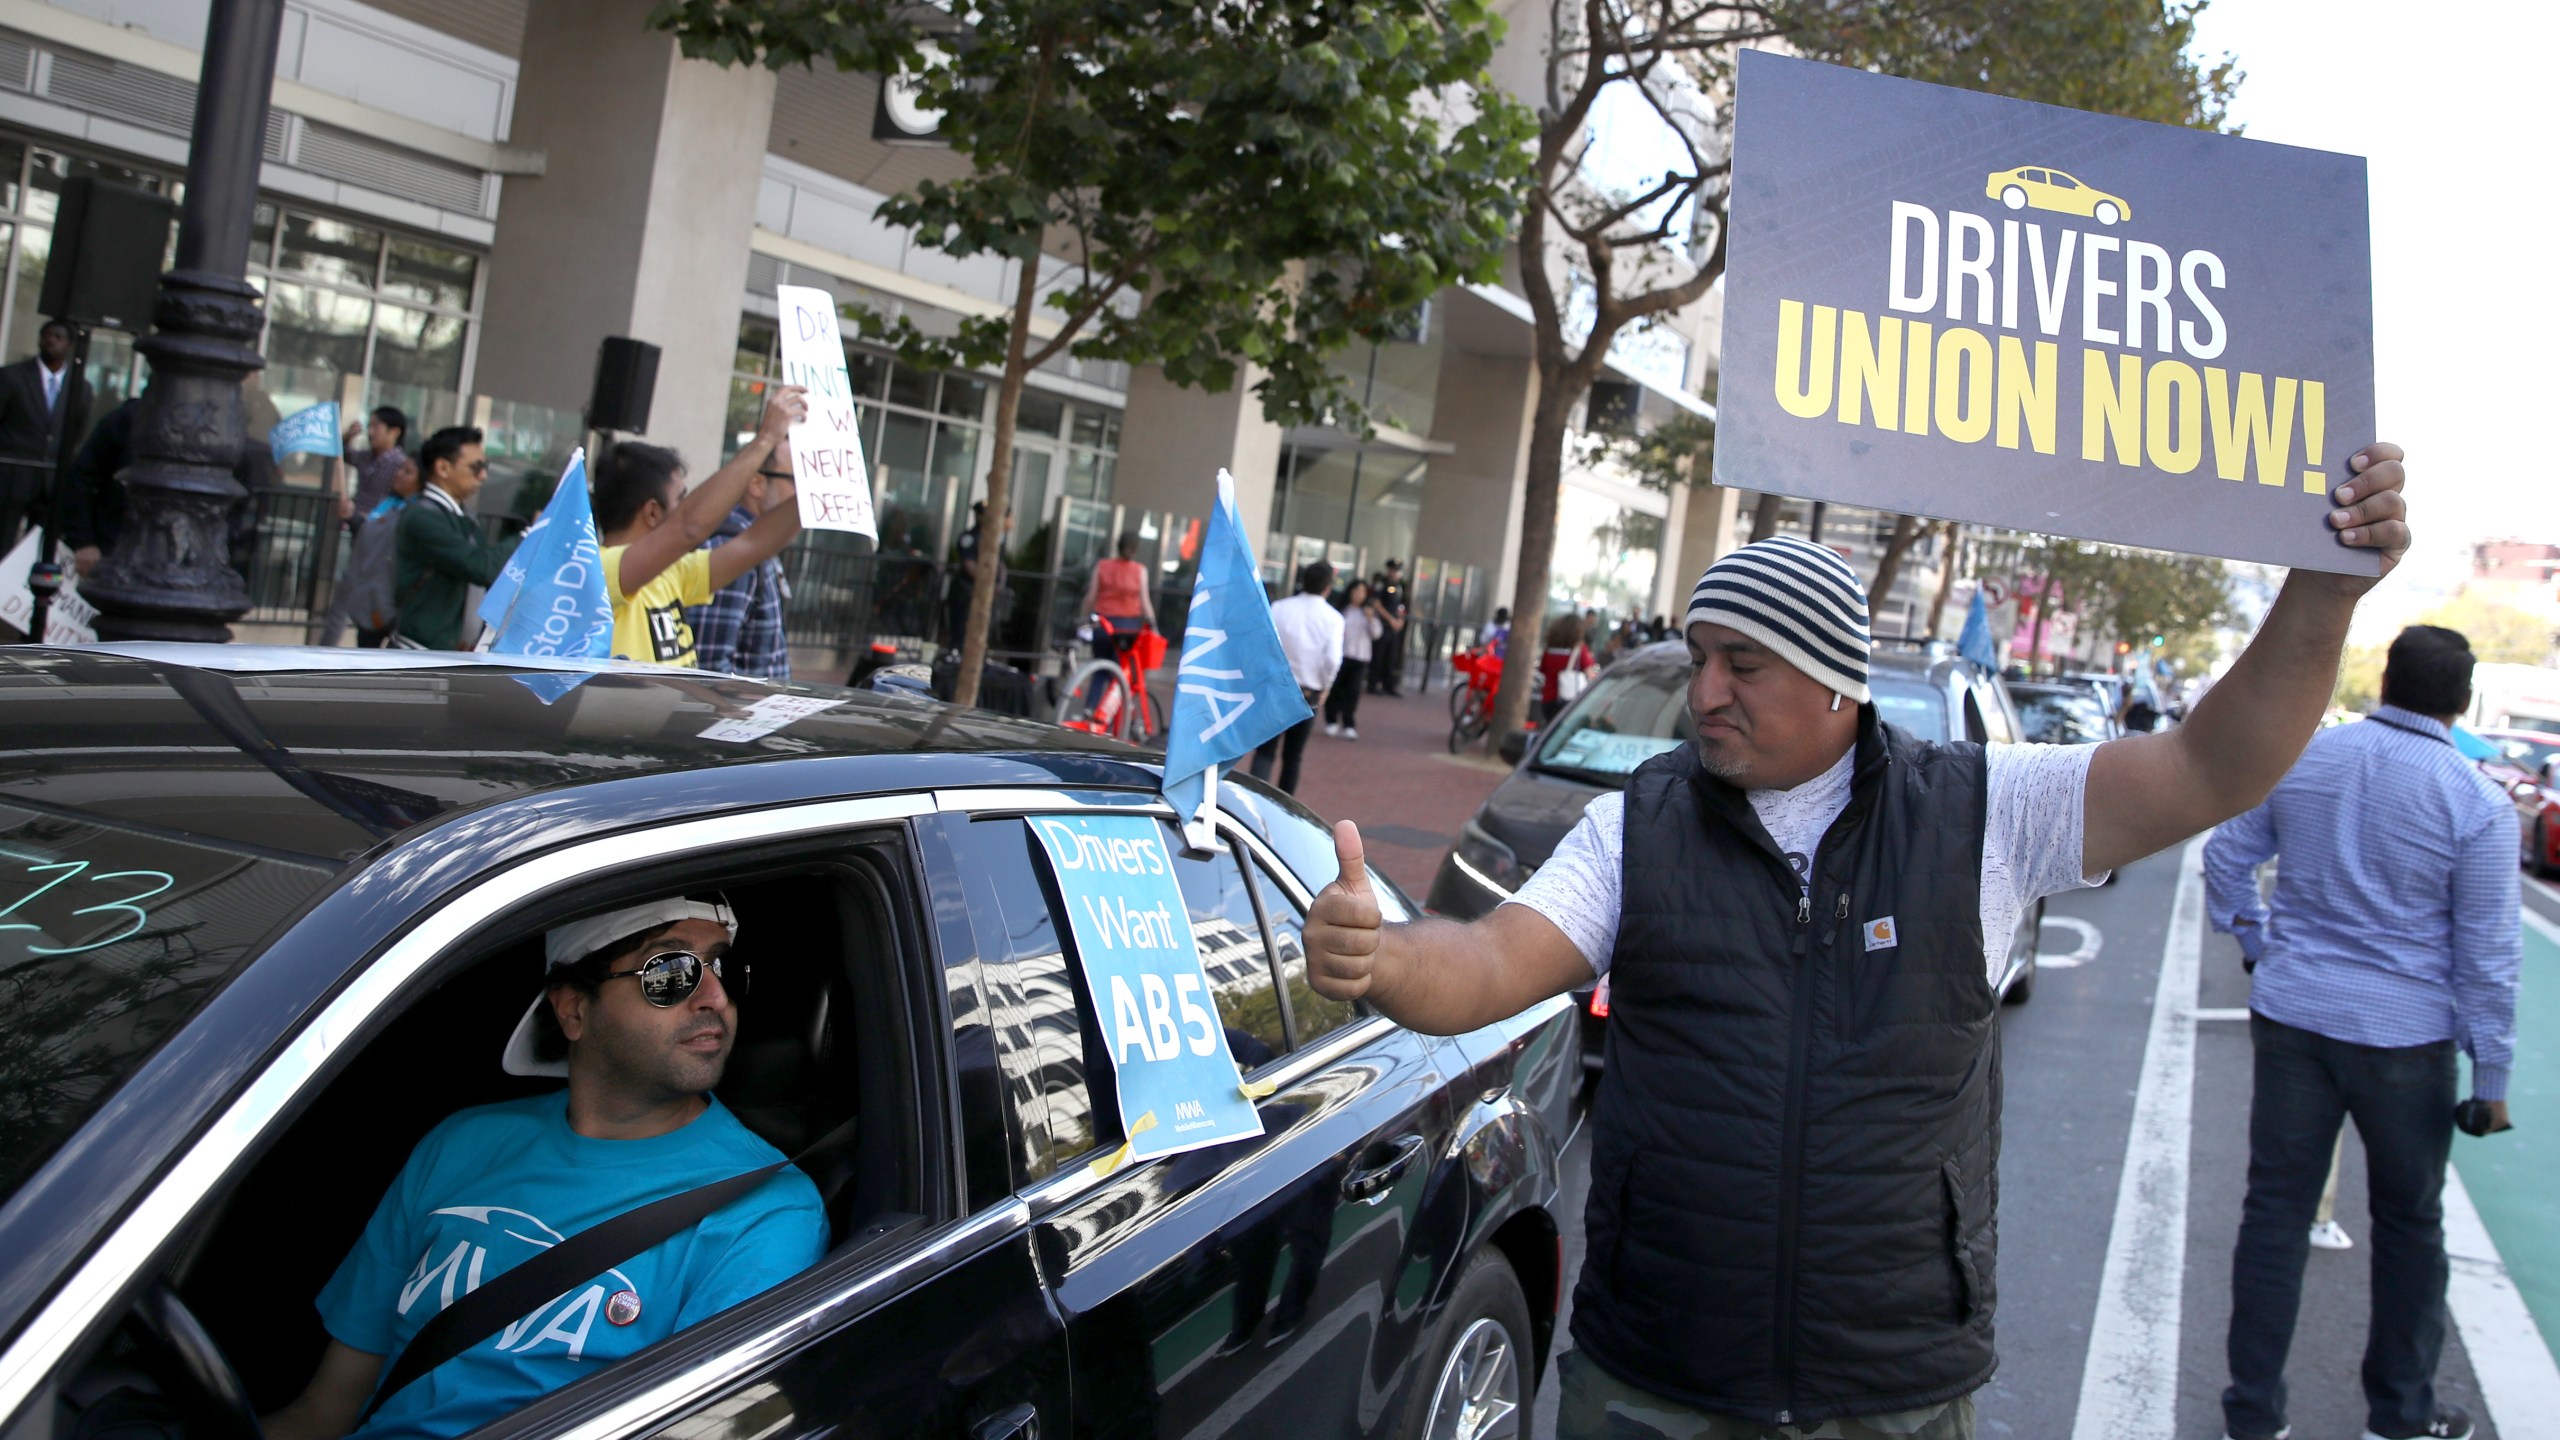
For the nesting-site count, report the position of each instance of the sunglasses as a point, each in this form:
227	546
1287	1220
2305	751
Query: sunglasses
669	978
479	467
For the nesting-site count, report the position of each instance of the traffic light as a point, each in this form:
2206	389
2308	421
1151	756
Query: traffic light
2159	640
2124	647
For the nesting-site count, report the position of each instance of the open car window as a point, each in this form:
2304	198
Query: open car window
422	1168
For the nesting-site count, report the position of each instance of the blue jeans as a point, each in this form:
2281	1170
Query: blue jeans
2402	1100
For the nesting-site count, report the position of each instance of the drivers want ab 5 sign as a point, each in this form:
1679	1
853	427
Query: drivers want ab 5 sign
1954	304
1178	1083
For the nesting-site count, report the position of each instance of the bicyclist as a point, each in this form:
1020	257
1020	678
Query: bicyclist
1118	592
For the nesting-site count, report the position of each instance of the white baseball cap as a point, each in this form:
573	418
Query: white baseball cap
568	944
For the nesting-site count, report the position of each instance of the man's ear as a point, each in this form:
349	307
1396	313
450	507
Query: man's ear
569	1007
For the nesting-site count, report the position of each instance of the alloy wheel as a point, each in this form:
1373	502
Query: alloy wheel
1479	1391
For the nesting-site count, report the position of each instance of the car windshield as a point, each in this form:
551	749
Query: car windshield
109	939
2531	754
2061	717
1632	714
1910	703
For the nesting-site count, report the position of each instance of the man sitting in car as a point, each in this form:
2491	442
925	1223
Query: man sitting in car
638	1010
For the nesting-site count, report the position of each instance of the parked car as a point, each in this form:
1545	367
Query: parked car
2529	771
2059	713
275	913
1639	708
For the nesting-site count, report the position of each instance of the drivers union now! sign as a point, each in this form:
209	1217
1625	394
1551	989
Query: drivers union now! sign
1982	309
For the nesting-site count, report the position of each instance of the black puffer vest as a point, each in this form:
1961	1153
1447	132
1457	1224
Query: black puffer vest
1795	1163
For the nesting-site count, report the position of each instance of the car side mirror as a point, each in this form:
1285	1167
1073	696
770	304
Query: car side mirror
2524	790
1514	745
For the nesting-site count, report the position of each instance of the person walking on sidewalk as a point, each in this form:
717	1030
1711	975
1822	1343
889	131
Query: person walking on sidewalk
2392	940
1311	636
1360	630
1796	1146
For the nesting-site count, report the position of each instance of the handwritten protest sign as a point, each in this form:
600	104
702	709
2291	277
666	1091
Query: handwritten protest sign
1177	1079
1959	305
826	448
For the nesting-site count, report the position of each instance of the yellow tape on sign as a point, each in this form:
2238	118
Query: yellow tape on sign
1120	1157
1256	1089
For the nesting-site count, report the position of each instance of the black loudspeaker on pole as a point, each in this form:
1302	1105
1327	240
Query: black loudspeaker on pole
626	381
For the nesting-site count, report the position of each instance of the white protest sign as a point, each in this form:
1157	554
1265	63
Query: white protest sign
826	448
71	619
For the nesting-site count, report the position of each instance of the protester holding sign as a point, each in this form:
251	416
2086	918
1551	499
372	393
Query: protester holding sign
654	563
1802	915
741	631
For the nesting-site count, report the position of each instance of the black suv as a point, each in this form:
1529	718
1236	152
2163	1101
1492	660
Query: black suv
270	915
1639	708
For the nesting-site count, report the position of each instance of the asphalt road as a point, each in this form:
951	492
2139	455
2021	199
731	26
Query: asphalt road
2074	1059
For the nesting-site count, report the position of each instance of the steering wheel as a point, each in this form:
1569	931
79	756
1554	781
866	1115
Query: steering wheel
192	1365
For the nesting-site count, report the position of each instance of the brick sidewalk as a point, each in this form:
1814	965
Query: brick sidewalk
1399	781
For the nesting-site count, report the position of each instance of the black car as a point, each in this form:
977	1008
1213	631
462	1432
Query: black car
1639	708
273	914
2056	712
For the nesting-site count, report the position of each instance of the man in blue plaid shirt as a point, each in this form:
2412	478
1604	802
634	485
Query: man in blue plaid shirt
2393	940
740	631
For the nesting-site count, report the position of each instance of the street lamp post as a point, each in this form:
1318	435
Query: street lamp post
169	576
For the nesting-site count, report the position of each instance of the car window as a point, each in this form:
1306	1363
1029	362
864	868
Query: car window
1307	848
109	939
1974	729
1995	716
1912	705
2061	717
1630	716
2065	181
1314	1015
2035	175
1229	935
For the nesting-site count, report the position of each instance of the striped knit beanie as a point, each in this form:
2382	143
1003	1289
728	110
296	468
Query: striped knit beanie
1799	599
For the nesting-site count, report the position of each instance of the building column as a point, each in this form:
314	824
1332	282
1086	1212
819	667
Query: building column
1471	497
1174	439
1711	528
640	224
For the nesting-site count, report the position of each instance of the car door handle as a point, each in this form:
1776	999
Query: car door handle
1022	1422
1372	1181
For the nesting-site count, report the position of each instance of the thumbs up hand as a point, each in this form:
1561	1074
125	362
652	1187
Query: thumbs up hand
1343	926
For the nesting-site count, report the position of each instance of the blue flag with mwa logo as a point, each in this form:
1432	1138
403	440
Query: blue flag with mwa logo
1233	690
311	432
550	598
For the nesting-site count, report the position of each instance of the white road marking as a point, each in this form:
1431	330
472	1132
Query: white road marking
2086	951
2533	920
2518	1380
2129	1384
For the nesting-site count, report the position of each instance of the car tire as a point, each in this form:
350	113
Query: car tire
2015	197
1477	1377
2108	212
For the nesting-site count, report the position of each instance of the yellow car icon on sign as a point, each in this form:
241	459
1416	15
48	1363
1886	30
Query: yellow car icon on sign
2041	188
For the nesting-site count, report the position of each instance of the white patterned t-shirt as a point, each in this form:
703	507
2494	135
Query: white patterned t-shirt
2035	818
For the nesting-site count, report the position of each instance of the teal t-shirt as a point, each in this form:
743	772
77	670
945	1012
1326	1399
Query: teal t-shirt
492	1187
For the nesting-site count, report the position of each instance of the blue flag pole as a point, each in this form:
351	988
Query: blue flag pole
1234	689
550	599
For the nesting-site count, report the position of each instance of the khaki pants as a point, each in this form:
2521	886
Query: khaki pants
1597	1405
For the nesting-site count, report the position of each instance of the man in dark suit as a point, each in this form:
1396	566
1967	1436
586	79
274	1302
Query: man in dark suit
442	550
33	393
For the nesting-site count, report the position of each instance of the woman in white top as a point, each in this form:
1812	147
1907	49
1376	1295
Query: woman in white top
1360	630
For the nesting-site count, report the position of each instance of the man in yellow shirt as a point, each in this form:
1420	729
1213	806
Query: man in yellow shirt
653	529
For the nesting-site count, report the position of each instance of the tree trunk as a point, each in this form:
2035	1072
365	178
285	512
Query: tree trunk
2035	637
982	590
1946	579
1764	517
1906	530
1547	425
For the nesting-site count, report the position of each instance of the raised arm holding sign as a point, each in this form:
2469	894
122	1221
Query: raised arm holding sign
826	443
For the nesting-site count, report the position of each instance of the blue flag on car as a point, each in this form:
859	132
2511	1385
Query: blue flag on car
550	598
310	432
1233	690
1975	643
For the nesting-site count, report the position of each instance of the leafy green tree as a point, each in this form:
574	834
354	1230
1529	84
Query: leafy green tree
1598	262
2500	634
1238	184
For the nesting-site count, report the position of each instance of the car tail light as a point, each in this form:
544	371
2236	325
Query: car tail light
1600	999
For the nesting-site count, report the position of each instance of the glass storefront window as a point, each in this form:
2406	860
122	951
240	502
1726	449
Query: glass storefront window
310	326
911	387
964	396
417	347
328	250
429	274
1039	414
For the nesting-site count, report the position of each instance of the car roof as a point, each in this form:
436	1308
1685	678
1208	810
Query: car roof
1930	661
325	753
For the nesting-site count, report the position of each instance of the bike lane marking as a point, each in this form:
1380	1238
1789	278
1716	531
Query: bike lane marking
2502	1217
2129	1382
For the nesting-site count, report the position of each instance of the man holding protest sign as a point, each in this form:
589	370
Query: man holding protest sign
653	530
1796	1144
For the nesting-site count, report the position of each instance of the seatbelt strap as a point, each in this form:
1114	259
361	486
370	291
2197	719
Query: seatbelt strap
547	1276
